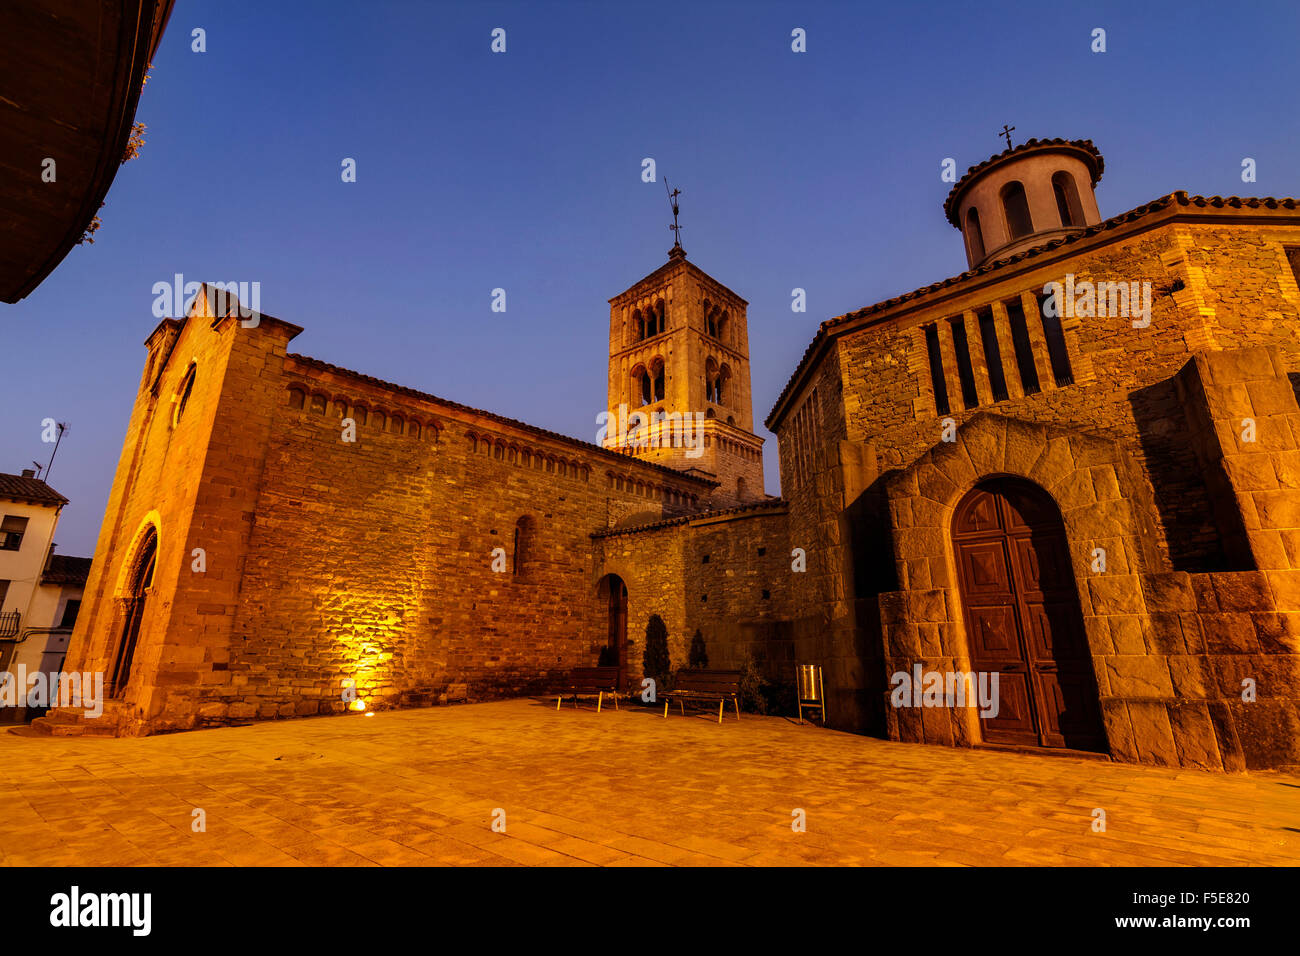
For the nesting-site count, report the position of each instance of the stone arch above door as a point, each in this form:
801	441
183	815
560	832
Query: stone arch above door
1088	476
1100	496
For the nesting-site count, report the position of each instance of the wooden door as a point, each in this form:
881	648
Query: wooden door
1023	618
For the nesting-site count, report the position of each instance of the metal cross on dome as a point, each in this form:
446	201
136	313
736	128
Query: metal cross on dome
672	201
1007	131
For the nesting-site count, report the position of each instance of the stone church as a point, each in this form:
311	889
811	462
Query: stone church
1075	466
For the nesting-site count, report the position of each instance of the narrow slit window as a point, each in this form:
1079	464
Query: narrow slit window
992	353
965	372
1293	258
936	370
1056	350
1024	351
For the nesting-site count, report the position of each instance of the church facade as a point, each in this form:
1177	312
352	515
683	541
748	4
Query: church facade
1076	466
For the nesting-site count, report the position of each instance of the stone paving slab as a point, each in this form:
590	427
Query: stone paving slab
619	788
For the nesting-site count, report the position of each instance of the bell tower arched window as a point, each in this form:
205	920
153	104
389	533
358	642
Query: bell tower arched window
642	386
1067	199
1016	206
974	237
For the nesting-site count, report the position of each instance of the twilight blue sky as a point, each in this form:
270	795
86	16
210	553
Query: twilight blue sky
818	170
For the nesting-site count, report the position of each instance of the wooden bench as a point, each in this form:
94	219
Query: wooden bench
589	682
708	685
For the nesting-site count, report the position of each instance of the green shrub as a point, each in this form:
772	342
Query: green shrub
655	663
752	700
699	657
758	695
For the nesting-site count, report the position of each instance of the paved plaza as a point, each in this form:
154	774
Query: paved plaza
625	788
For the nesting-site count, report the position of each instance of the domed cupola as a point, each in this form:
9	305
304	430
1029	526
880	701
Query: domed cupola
1026	196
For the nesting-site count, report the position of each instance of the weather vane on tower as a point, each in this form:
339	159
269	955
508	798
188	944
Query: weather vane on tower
677	230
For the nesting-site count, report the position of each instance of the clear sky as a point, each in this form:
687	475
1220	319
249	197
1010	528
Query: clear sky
522	170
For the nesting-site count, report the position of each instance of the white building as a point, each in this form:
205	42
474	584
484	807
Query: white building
40	592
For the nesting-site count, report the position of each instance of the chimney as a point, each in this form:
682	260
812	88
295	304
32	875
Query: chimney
29	472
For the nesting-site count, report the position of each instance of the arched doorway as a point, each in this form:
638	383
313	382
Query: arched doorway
138	585
1023	618
612	594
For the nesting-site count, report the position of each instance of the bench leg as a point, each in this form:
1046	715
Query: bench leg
558	701
616	700
599	697
736	701
682	704
721	704
665	708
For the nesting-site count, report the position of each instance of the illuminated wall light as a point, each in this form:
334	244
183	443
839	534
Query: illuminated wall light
358	704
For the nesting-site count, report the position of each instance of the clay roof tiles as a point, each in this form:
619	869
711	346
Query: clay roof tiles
65	569
24	488
693	516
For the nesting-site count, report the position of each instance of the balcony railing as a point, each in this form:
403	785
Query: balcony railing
9	625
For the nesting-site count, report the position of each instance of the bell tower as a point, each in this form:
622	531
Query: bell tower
679	379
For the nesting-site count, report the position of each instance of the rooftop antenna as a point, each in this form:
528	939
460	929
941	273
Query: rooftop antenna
39	468
677	230
1007	131
62	426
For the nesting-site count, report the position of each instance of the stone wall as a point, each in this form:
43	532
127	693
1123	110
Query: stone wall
1170	649
185	478
1197	502
327	559
727	575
